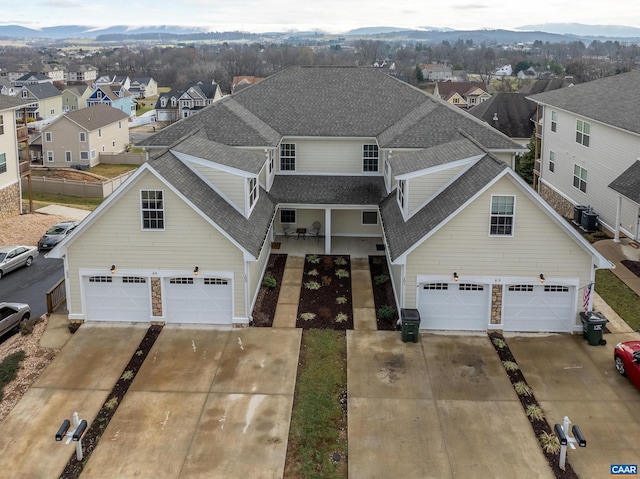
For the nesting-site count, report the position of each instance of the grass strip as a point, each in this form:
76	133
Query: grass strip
44	199
9	368
619	296
317	446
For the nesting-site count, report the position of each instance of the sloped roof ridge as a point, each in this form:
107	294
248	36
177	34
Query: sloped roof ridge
407	121
627	183
251	120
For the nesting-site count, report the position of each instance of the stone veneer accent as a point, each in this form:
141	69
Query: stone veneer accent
10	203
496	304
156	297
557	201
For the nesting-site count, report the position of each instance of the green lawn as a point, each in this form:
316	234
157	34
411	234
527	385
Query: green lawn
623	300
111	171
44	199
318	424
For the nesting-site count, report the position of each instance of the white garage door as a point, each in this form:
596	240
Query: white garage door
540	308
198	300
117	298
454	306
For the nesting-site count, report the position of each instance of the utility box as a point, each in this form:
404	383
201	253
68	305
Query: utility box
577	213
593	327
589	221
410	325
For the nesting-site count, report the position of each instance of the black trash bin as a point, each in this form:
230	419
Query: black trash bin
410	325
593	327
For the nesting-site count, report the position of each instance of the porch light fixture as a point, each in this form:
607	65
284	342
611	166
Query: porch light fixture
455	276
196	270
113	268
541	278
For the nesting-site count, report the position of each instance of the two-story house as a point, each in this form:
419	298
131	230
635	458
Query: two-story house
589	148
78	137
76	74
186	239
75	97
182	103
114	96
462	94
143	87
45	101
10	165
32	78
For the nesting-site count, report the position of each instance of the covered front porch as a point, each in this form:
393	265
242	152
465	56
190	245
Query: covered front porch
356	247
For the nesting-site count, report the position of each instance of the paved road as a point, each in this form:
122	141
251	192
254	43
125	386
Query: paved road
30	285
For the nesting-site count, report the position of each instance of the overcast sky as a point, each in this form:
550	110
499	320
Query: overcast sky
329	15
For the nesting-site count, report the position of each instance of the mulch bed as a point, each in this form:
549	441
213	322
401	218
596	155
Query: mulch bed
325	297
383	297
90	439
539	426
633	266
264	309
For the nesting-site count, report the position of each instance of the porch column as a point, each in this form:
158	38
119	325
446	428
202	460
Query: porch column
616	237
327	231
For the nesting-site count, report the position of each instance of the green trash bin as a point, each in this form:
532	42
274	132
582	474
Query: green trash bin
593	327
410	325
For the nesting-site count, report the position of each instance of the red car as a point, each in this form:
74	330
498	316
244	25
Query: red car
627	359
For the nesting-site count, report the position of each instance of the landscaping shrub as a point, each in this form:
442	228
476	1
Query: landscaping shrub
9	368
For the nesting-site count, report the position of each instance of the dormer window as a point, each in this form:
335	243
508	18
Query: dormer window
402	185
253	192
370	156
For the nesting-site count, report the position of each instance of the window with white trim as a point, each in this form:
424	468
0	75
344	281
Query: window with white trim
83	136
583	130
554	120
152	207
50	156
216	281
369	217
287	157
552	161
436	286
580	178
253	191
67	156
100	279
3	162
522	288
502	213
287	216
370	157
554	288
271	160
401	193
48	136
134	280
1	125
84	155
181	281
93	154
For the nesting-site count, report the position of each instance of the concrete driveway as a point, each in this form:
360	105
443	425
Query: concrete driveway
206	403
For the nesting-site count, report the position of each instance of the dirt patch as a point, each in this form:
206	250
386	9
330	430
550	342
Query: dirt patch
265	308
383	297
633	266
27	229
68	174
325	298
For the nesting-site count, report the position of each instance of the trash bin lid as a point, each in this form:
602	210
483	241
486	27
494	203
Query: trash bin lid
410	315
595	317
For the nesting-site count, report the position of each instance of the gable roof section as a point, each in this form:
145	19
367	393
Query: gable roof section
12	103
221	154
43	91
514	112
402	235
628	183
435	156
249	233
446	88
96	116
326	190
608	100
545	84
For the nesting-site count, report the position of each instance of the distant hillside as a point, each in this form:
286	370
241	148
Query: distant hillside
84	31
579	29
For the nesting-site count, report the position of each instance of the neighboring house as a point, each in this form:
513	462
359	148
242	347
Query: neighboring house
7	88
436	72
44	98
590	144
182	103
12	73
10	166
116	81
187	238
505	70
32	78
528	74
462	94
75	97
55	72
81	74
240	82
78	137
143	87
511	113
546	84
114	96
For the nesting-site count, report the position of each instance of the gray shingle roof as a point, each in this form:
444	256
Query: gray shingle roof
628	183
344	190
43	90
611	100
249	233
514	113
402	235
11	102
222	154
332	102
96	116
437	155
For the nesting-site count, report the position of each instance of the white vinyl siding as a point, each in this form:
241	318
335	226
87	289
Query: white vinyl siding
526	254
229	185
425	186
329	156
349	223
116	238
256	270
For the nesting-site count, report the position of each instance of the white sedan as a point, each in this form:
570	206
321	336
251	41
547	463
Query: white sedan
12	314
13	257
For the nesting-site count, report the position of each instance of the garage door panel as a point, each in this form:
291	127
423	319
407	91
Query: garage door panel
539	308
454	306
114	298
199	300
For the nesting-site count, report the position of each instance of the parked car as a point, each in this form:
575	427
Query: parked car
627	360
12	314
55	234
13	257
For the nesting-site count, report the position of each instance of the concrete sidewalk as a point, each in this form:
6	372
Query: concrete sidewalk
72	213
